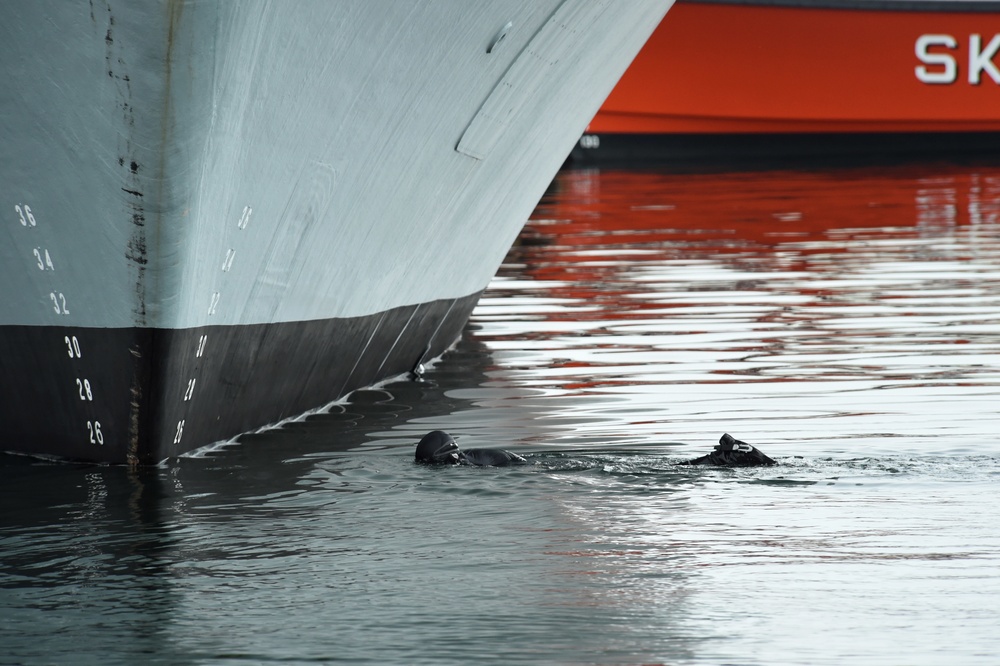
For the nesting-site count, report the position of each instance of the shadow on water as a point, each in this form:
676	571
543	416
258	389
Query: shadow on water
84	546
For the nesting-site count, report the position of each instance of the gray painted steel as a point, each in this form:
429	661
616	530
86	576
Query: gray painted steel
220	214
217	163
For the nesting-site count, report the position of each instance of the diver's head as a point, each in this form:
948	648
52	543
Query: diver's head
439	447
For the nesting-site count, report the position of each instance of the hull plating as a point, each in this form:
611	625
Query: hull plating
786	71
321	189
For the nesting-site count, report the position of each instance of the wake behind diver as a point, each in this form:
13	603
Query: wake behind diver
438	447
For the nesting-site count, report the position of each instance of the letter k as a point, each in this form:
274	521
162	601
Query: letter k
982	60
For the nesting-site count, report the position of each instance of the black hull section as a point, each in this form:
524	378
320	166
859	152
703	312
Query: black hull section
139	396
778	150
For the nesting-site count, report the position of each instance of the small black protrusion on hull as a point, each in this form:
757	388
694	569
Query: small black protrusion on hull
417	371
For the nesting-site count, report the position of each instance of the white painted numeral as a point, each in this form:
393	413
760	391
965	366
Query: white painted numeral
190	389
59	303
27	219
180	432
214	304
72	347
228	262
96	436
201	346
84	388
245	217
43	259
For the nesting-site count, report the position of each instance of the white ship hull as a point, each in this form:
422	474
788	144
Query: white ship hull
223	214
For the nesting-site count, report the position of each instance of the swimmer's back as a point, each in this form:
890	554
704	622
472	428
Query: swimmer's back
491	458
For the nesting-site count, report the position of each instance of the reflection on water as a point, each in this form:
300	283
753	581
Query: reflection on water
846	321
781	306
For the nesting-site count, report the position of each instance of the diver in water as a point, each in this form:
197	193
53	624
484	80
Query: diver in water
438	447
731	452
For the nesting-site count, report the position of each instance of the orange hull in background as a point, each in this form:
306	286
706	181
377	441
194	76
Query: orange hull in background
822	68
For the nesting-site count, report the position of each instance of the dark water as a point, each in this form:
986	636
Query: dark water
847	321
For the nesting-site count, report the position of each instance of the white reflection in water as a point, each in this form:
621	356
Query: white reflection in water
848	309
848	322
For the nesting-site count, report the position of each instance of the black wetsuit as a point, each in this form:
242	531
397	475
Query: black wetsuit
731	452
439	448
490	458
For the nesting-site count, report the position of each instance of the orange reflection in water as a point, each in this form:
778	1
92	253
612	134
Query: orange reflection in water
595	227
866	277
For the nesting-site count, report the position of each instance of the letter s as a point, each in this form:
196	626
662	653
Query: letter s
950	72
